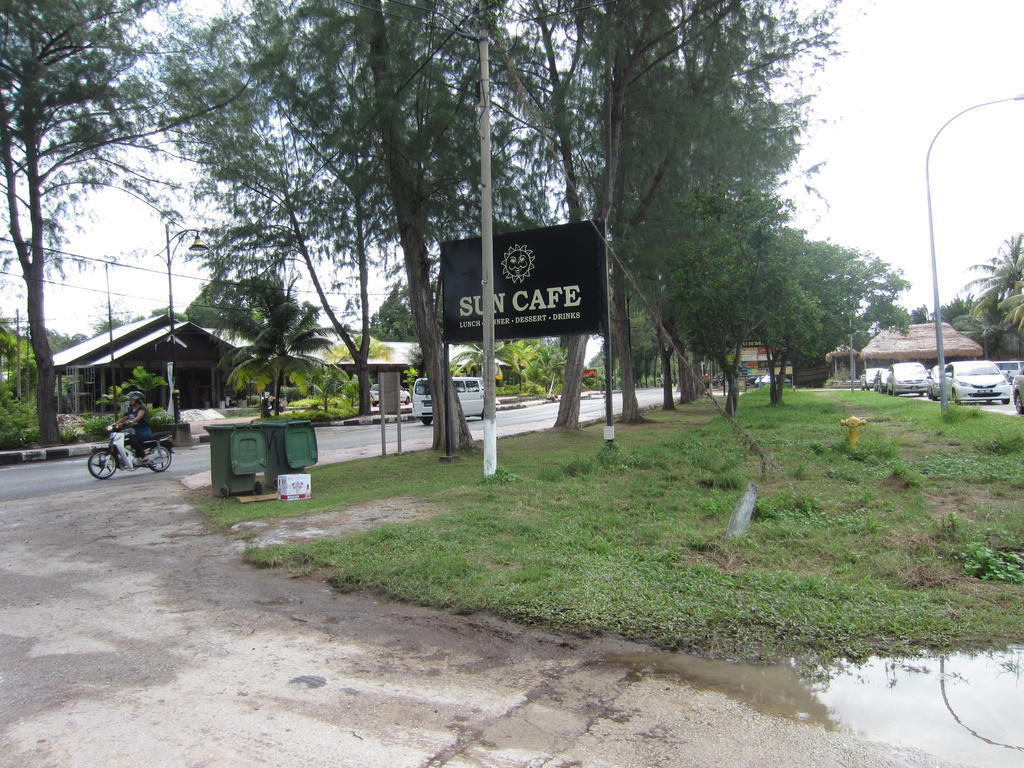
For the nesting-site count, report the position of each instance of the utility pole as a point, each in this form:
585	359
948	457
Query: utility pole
172	402
487	250
17	351
852	363
110	320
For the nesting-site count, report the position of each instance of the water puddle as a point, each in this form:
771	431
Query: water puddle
963	708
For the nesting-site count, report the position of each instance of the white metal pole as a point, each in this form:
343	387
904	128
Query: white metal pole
171	373
487	243
943	398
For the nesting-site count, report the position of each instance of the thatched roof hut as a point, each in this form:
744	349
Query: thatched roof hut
919	344
841	353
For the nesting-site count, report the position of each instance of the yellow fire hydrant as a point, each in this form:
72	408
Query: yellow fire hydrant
853	425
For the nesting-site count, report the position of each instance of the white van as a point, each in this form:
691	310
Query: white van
469	389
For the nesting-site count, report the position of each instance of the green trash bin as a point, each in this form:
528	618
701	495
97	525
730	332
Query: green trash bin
237	453
291	447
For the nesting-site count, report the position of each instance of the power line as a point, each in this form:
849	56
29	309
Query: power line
162	272
565	12
224	307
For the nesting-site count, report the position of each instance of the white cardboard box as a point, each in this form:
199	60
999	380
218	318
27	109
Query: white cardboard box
291	487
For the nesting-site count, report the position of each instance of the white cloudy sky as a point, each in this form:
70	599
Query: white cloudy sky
908	66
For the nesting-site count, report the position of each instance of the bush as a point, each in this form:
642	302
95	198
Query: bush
527	389
981	562
331	414
97	426
1003	445
18	427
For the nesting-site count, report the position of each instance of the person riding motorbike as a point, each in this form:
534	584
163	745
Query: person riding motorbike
136	418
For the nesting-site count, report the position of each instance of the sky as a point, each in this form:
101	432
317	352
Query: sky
906	67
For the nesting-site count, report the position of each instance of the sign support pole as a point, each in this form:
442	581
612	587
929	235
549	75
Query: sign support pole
449	413
487	249
609	427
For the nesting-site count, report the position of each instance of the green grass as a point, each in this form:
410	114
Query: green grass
850	551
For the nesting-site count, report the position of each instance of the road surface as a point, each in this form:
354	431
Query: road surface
23	481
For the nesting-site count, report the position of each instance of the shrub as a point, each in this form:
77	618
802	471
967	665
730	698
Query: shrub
331	414
502	476
959	413
18	427
725	480
982	562
1003	445
789	505
96	427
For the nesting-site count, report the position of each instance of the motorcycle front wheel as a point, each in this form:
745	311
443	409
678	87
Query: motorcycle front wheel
159	458
102	464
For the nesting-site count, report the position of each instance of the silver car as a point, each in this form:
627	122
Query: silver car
976	381
1010	368
933	383
868	376
906	379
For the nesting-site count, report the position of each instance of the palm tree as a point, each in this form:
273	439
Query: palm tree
471	358
1000	289
323	382
378	350
517	355
284	338
548	365
1002	275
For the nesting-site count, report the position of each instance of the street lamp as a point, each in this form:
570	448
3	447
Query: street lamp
944	400
196	247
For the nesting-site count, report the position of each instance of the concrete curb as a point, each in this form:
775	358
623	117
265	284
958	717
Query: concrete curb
45	454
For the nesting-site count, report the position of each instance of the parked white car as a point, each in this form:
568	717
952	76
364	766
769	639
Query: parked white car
976	381
933	383
1018	393
868	376
1010	368
404	397
469	389
906	379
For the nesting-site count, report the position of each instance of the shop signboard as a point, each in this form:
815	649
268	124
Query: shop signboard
547	282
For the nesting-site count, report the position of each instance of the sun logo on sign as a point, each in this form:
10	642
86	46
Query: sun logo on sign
517	264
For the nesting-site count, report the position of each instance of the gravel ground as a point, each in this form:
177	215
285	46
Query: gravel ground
130	635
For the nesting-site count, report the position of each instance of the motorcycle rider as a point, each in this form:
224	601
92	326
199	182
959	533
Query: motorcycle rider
136	418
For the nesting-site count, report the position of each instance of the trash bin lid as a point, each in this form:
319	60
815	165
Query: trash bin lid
300	444
248	451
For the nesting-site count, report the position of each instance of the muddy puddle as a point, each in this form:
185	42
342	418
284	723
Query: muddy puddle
962	708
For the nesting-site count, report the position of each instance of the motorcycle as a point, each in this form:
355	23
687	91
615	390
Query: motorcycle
105	460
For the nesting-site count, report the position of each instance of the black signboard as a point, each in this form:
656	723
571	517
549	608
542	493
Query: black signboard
547	282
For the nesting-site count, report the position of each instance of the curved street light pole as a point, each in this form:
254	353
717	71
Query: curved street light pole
943	398
196	247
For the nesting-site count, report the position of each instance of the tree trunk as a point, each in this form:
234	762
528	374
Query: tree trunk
408	199
620	325
278	381
569	405
362	362
731	390
32	257
668	400
45	403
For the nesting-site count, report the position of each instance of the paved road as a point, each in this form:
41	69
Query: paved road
23	481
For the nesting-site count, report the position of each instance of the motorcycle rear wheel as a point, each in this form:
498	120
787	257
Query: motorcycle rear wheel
159	459
102	464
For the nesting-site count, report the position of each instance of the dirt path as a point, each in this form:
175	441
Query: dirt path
131	636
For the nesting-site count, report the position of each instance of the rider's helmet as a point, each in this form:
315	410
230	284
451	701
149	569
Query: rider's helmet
134	395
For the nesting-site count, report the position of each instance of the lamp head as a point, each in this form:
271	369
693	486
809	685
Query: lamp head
197	245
